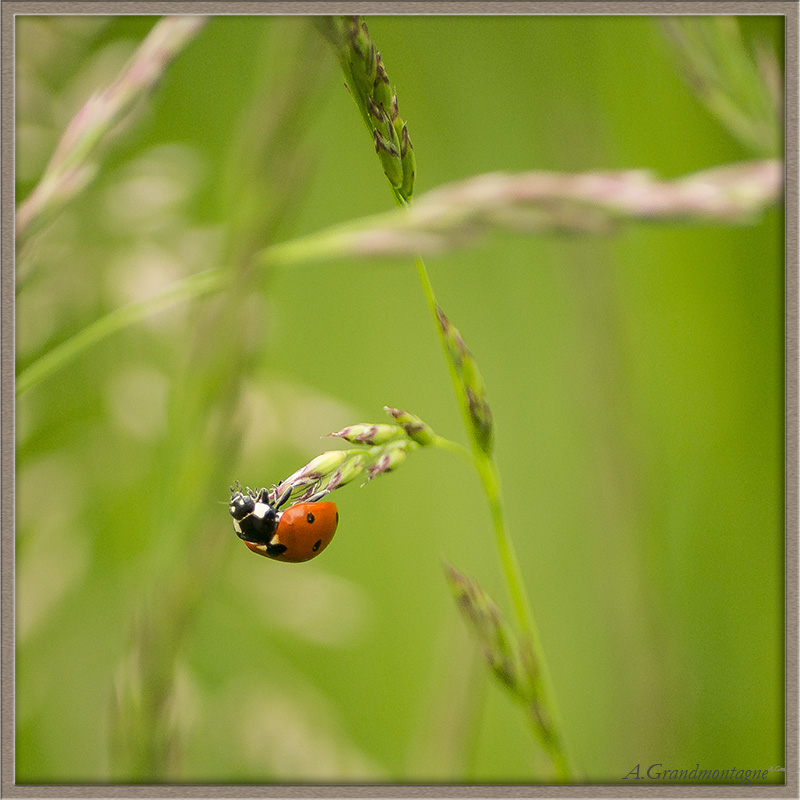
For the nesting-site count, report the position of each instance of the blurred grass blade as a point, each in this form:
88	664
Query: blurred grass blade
742	91
59	356
72	166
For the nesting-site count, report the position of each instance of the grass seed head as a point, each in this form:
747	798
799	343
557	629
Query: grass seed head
389	458
413	426
317	470
472	384
368	81
368	433
351	469
496	639
387	447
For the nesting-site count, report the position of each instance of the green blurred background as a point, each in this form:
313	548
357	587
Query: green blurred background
636	383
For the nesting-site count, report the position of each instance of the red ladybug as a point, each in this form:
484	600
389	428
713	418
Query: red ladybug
299	533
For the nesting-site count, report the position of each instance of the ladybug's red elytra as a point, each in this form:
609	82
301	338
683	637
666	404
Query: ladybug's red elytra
299	533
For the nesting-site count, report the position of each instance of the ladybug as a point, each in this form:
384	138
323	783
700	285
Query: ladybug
299	533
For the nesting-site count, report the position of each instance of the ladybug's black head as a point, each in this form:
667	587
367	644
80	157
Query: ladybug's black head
254	519
241	505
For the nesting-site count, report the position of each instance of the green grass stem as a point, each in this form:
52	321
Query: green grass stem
487	471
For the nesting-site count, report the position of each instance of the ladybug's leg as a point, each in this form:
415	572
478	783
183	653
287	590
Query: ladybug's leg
283	497
318	496
263	496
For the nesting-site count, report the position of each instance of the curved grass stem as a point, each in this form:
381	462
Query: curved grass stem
453	447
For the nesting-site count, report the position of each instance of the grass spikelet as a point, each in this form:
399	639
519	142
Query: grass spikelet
482	615
413	426
471	382
391	457
511	658
368	433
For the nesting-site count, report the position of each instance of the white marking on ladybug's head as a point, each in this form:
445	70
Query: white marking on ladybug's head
261	510
237	527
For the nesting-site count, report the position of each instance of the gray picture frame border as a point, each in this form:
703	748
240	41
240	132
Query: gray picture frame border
8	11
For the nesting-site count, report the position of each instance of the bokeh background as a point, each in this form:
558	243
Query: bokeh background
636	382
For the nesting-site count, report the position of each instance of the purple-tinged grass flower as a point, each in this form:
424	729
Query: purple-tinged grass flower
471	381
391	457
368	433
413	426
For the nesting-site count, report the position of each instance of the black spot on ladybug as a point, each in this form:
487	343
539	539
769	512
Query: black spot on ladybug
310	517
337	517
316	546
